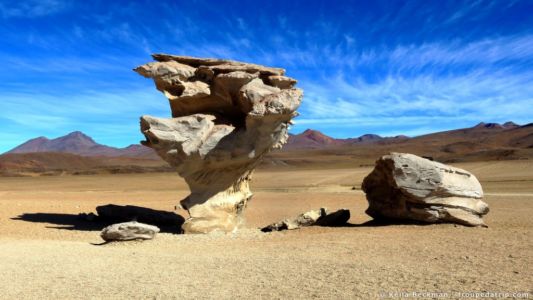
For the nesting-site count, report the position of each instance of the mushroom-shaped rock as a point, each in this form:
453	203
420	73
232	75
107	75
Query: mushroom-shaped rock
226	115
129	231
406	186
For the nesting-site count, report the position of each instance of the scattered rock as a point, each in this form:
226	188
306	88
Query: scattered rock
226	116
90	217
319	217
129	231
118	213
334	219
405	186
305	219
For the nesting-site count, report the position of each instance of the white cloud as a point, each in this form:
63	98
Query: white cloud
477	95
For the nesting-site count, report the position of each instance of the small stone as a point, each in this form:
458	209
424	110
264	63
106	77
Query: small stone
129	231
87	217
306	219
90	217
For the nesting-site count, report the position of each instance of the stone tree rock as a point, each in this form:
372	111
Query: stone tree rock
406	186
129	231
226	116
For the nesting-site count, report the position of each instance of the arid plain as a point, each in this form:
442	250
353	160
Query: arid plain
47	250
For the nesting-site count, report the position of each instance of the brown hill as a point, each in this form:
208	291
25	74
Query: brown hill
57	163
314	139
81	144
311	139
483	142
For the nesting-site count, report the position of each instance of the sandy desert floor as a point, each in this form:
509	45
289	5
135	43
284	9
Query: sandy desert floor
46	252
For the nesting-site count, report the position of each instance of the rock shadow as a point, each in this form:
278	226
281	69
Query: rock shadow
81	223
383	223
63	221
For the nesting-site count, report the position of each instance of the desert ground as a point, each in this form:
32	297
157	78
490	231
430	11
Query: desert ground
47	252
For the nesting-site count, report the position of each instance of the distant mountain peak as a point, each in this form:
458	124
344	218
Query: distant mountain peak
311	131
75	142
79	143
488	125
310	139
39	138
506	125
370	136
510	124
78	135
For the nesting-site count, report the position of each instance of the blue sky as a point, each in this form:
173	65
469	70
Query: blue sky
386	67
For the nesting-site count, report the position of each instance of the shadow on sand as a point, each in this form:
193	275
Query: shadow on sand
382	223
78	222
75	222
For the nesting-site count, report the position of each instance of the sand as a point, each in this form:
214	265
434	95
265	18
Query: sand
49	254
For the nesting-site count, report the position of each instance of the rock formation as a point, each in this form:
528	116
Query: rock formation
129	231
226	116
405	186
319	217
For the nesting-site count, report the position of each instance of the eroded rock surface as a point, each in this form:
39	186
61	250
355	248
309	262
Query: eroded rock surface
406	186
226	116
129	231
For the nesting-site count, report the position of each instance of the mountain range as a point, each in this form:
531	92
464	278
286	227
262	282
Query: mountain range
81	144
78	153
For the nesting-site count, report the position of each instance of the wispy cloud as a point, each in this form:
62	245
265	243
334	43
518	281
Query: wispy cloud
405	67
477	95
32	8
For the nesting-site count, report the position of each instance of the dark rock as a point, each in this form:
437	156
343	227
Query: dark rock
90	217
338	218
117	213
306	219
319	217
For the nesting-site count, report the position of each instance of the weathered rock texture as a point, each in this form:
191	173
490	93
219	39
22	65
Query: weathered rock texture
226	116
319	217
406	186
129	231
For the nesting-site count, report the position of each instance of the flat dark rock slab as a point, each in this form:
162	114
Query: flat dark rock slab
118	213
